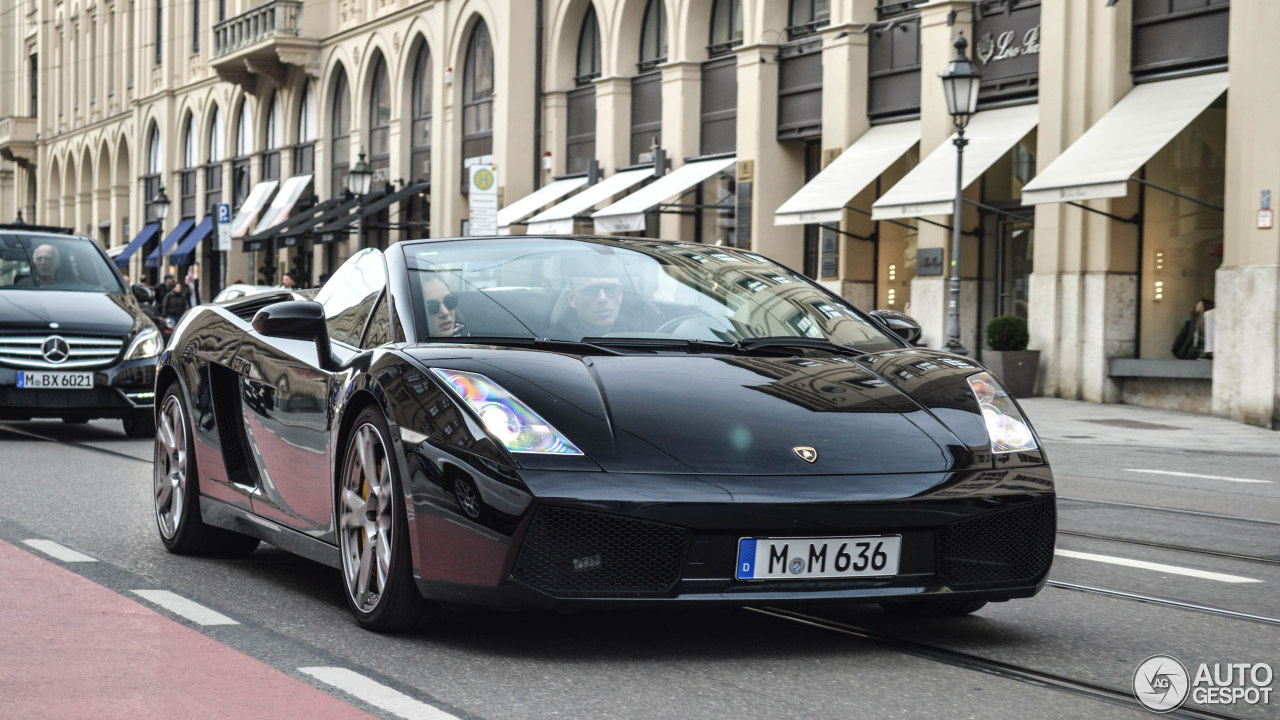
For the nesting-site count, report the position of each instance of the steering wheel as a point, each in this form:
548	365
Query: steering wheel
673	323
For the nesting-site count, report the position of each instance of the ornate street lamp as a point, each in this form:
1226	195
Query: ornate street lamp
161	203
960	86
360	177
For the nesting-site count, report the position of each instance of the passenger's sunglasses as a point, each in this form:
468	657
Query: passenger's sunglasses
610	290
450	301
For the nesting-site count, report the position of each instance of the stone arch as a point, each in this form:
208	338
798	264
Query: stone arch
53	198
624	37
565	33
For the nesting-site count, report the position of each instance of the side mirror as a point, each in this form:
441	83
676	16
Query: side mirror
296	320
902	325
143	294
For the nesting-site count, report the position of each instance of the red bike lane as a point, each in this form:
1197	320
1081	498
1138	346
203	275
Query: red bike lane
74	649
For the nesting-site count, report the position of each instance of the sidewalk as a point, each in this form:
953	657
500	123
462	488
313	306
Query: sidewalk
1074	421
75	649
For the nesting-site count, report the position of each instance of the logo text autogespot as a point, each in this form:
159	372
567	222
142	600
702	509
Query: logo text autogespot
1161	683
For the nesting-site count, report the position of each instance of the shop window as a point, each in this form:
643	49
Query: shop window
893	77
477	98
720	105
271	151
653	36
340	132
800	90
1007	243
187	179
1182	240
1178	35
379	123
304	152
807	16
717	199
418	220
580	142
726	27
646	116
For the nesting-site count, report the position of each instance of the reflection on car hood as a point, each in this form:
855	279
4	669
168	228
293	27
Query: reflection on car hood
85	312
717	414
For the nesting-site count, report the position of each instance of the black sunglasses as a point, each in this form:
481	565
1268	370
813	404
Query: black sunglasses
450	301
610	290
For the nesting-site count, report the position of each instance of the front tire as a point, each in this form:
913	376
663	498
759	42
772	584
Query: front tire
177	488
373	535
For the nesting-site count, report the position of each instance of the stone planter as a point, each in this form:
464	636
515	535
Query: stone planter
1016	369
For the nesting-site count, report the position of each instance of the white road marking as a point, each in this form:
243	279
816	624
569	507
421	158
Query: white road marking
179	605
1159	567
1195	475
377	694
54	550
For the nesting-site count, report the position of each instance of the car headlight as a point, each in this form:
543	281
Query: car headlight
510	421
145	344
1008	430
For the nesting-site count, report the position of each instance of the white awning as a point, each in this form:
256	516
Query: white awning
558	219
531	203
290	192
930	188
627	215
252	206
1100	163
823	198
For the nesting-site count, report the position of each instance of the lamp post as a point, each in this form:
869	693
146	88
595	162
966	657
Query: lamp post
161	203
359	180
960	86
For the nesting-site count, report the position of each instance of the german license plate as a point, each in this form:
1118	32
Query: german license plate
39	380
807	558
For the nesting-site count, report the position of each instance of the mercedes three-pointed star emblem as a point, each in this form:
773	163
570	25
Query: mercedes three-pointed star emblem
55	349
806	453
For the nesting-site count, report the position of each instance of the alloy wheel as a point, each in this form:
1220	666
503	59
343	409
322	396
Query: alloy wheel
367	520
170	466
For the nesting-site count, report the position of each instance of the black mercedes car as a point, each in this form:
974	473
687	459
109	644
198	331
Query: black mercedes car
74	343
570	422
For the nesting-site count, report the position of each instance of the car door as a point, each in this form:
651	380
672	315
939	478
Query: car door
288	396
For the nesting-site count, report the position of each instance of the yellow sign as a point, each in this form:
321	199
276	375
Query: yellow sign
483	178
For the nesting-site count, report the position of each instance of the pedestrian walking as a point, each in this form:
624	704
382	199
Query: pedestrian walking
175	303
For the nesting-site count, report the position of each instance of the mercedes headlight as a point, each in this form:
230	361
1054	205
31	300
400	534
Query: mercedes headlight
145	344
1007	429
507	419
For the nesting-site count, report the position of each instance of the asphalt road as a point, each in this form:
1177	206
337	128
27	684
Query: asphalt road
1173	507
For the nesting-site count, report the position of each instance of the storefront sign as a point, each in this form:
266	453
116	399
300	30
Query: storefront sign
1266	219
1008	47
928	261
1005	45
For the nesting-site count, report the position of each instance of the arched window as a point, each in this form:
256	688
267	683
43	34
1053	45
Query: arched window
240	180
275	129
188	175
304	152
340	131
379	122
418	222
653	36
726	26
807	16
589	48
477	96
151	181
154	158
213	169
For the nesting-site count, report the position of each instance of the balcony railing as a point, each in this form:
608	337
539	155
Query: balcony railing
275	19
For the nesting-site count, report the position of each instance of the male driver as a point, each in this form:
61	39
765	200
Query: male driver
46	261
442	319
594	299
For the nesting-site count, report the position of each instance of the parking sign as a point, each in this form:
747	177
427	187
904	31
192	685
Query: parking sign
224	227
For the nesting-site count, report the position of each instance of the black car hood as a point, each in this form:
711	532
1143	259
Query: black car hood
712	414
88	312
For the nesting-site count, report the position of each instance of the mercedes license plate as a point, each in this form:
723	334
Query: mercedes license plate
39	380
807	558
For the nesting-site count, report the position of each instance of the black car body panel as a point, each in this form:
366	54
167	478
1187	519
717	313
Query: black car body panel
682	456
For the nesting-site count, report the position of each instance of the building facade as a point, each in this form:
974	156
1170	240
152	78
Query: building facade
1113	199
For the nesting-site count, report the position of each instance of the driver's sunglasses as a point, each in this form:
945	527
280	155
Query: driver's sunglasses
450	301
612	291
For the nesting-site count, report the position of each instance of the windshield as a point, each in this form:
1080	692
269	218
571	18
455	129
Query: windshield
570	289
54	262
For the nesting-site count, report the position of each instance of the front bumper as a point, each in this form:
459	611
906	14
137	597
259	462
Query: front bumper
974	535
123	390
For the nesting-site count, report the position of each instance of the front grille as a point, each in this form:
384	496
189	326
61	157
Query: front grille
85	351
1014	545
574	552
12	396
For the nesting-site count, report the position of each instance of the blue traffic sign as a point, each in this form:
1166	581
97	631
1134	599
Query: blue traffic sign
224	213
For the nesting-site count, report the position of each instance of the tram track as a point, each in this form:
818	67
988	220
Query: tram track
1170	546
968	661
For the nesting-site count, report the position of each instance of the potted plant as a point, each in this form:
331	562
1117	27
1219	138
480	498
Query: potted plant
1009	359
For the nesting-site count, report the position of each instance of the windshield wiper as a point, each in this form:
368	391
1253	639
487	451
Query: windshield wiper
659	343
784	342
573	346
